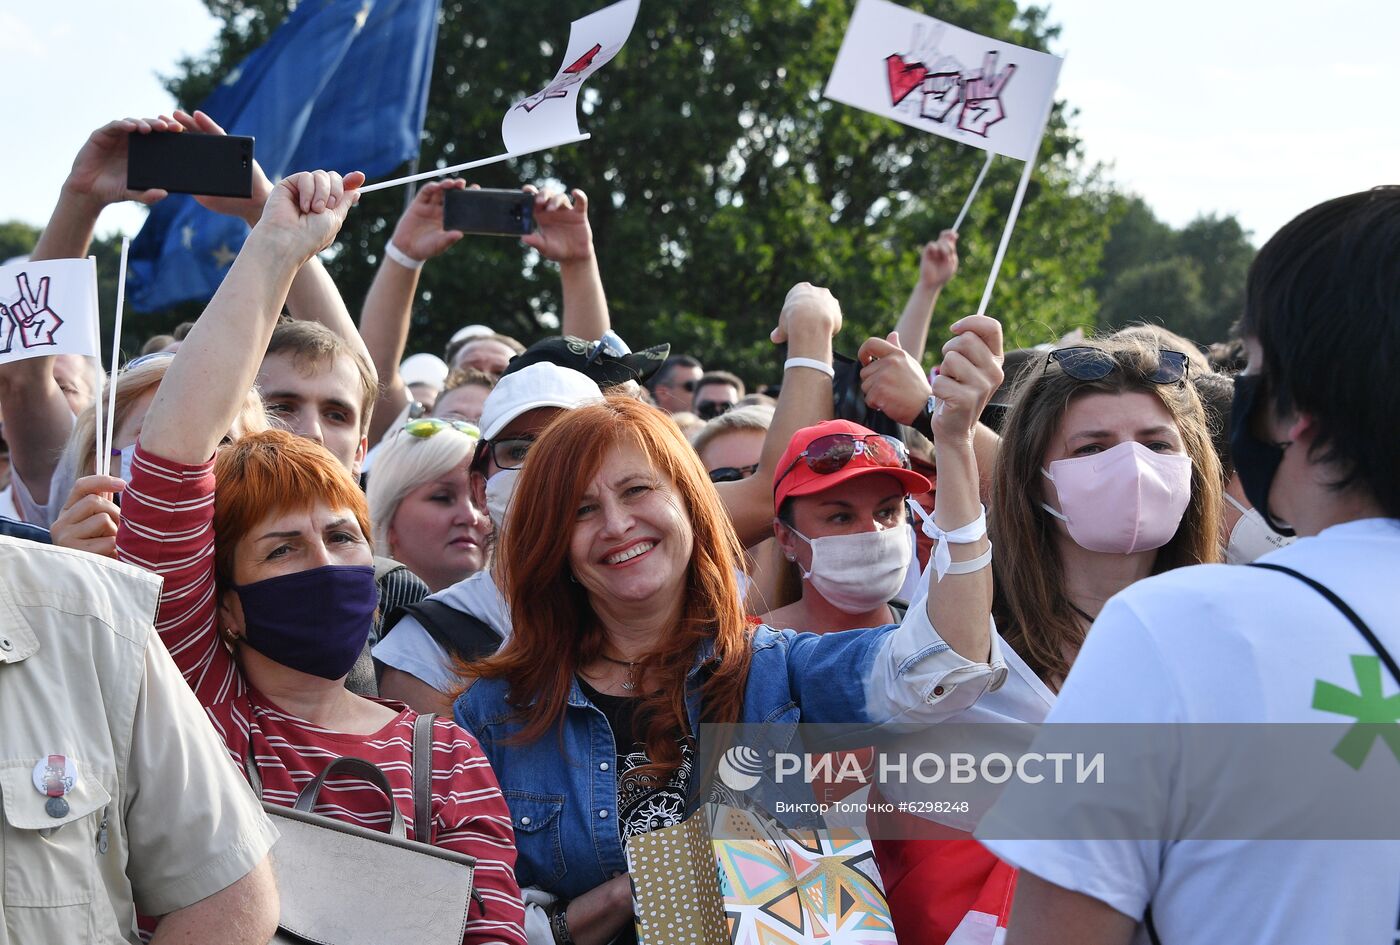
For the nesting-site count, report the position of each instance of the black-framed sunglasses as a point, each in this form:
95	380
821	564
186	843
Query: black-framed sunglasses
709	409
506	453
689	386
832	452
1087	363
732	473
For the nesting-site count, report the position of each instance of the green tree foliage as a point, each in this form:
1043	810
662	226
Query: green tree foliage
719	177
16	239
1190	280
1166	291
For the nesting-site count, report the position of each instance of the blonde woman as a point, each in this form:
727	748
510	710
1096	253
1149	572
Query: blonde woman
420	501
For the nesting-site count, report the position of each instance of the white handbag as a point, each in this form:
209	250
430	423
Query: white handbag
343	884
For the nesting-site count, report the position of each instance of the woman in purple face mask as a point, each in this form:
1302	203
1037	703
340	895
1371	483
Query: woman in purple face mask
269	586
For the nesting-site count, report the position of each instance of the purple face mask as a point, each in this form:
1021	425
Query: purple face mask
313	621
1122	500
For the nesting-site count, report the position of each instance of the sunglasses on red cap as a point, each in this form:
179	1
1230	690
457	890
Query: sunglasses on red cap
833	452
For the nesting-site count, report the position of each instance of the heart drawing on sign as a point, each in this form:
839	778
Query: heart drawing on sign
905	77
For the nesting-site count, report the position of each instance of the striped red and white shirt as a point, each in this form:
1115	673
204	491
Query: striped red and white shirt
167	527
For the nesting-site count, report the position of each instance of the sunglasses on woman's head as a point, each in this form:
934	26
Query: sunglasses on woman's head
732	473
832	452
1086	363
425	427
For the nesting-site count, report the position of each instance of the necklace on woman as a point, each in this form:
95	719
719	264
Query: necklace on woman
630	683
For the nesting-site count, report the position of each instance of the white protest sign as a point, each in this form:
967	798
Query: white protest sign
939	78
48	308
550	116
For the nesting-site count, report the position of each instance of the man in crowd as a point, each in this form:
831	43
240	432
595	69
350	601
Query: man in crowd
673	386
118	795
318	385
488	353
715	393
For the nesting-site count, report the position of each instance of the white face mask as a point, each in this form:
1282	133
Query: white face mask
857	573
1251	537
499	490
124	469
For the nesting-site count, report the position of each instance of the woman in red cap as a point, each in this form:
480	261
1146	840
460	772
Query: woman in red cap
845	528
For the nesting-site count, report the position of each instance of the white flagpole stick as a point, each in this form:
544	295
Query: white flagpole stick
99	467
976	186
116	352
1006	233
1015	210
383	185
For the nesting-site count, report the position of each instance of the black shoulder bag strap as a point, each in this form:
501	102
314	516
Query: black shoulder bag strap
423	778
1347	612
1356	622
459	633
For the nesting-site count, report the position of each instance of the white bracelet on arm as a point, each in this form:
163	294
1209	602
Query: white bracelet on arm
943	558
812	363
402	258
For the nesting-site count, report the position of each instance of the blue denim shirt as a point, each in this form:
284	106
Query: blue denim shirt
13	529
562	788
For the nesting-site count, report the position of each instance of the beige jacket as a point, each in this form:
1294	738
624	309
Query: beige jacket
157	817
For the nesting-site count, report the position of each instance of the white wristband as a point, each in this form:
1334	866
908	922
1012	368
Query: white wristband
812	363
942	557
402	258
971	565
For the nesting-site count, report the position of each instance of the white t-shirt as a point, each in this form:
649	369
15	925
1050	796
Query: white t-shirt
410	649
1212	644
61	481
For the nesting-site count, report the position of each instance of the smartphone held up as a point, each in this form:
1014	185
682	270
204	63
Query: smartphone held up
189	162
489	212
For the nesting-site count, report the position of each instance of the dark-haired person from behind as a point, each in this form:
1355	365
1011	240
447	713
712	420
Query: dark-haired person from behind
1313	440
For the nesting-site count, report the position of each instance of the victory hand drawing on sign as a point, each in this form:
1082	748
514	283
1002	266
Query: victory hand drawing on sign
30	317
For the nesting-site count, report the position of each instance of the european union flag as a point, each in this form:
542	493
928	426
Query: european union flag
341	85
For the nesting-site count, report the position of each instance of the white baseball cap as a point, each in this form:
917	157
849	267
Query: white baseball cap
539	385
469	332
423	369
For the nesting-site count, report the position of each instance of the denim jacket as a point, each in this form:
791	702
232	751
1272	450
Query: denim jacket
562	789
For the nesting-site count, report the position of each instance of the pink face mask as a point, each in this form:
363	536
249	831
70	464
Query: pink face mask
1122	500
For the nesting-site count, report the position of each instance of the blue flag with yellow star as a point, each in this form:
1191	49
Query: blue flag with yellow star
341	85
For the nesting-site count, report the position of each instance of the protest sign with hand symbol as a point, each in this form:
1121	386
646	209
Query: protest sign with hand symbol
30	324
29	318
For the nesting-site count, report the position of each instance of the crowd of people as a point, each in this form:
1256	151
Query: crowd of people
565	557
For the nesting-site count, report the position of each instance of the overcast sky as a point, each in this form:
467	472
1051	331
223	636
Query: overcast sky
1255	107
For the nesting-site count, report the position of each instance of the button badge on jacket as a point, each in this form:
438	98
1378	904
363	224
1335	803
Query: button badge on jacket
54	776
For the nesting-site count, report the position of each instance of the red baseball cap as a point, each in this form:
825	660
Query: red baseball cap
801	479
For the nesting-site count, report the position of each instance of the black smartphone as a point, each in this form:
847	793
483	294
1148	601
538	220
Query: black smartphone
187	162
490	212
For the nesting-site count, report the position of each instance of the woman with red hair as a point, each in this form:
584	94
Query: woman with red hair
620	567
269	581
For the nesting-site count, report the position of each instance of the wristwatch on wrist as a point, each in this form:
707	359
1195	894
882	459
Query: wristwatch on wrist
924	421
559	923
